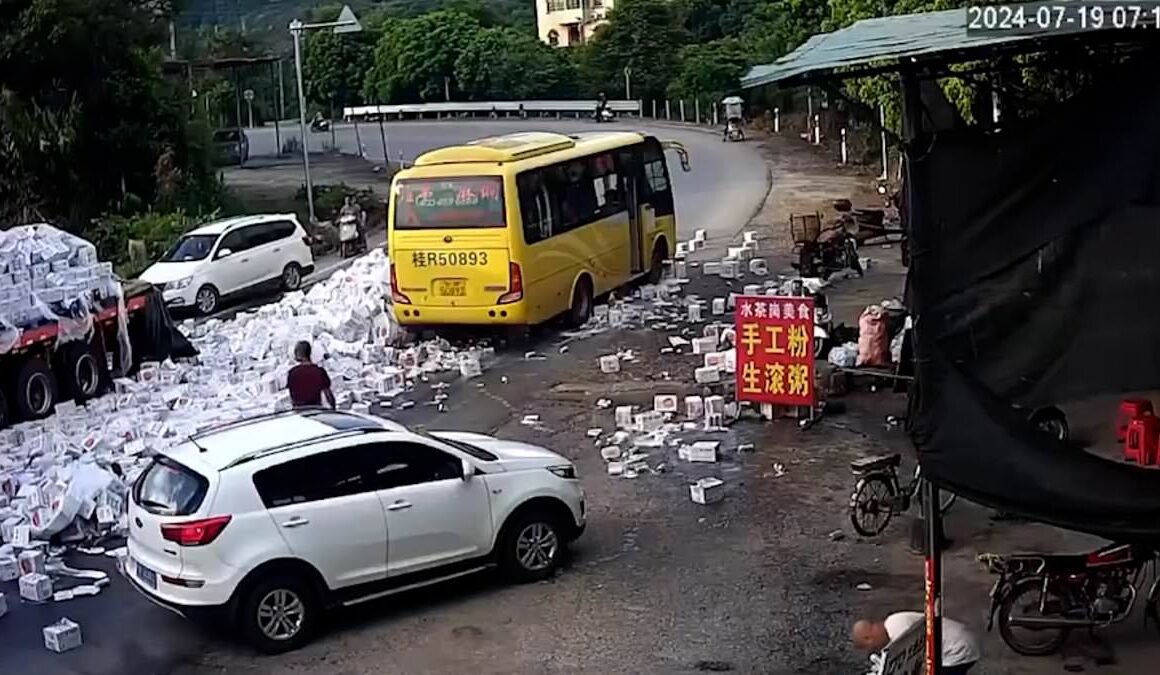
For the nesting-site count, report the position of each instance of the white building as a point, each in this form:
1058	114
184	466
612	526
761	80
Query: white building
562	23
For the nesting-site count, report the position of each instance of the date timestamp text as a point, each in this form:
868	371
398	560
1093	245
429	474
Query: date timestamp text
1061	17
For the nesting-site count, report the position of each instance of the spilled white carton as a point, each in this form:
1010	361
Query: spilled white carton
694	407
36	587
707	491
610	364
623	416
707	375
62	636
665	403
703	451
718	306
704	345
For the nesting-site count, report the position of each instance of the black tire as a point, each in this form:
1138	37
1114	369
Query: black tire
518	557
656	268
291	277
79	372
35	392
1051	421
1027	592
207	300
581	308
262	598
872	505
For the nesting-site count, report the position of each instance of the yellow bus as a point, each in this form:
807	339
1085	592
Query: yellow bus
522	228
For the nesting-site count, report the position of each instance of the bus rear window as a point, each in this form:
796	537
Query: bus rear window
449	203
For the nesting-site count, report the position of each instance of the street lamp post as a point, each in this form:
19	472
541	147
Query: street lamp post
347	23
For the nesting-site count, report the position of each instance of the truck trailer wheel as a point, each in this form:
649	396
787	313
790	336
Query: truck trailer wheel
35	390
79	372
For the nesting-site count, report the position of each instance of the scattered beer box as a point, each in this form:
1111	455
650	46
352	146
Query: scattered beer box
775	355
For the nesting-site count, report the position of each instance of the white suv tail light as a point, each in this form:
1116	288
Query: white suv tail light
195	532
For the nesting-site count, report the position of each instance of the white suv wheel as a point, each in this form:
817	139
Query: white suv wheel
536	547
280	614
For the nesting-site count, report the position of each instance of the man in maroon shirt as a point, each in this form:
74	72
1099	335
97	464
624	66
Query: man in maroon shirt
308	383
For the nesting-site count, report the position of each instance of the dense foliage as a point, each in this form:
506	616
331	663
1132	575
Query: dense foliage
88	123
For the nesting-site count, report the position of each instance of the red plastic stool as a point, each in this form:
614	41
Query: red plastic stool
1130	409
1140	440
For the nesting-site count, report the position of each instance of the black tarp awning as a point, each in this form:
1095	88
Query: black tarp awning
1035	269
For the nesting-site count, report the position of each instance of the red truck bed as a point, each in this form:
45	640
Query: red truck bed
49	331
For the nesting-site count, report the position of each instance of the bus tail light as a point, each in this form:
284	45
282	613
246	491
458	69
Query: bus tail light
515	286
397	296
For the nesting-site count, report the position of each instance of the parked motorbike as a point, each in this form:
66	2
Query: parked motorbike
836	249
1040	598
349	241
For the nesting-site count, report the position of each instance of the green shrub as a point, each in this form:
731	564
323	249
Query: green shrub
155	230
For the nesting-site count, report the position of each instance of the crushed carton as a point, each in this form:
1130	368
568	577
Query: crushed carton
694	407
703	451
707	491
665	403
759	267
9	568
31	562
36	587
707	375
62	636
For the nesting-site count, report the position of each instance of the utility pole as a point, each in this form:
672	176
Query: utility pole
347	23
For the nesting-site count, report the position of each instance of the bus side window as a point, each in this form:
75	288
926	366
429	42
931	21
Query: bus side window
607	186
572	183
657	177
536	207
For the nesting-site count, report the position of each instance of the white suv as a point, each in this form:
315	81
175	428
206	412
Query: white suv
231	257
277	518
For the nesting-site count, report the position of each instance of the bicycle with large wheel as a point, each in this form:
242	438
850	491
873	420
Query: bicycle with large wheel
879	495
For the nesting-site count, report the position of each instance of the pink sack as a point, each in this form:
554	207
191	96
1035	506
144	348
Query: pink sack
873	345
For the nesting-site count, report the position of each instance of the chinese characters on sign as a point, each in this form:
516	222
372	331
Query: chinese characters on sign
775	353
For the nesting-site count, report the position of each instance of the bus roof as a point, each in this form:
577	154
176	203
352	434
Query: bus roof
525	145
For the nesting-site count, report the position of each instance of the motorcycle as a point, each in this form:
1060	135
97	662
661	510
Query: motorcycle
836	249
320	125
349	241
603	114
1049	595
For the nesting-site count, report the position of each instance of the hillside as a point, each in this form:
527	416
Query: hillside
274	15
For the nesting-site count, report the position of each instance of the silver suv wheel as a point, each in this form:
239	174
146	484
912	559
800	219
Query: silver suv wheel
280	614
536	547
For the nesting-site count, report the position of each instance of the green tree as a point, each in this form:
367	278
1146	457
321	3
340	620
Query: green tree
508	64
776	28
335	65
414	59
710	70
644	35
84	111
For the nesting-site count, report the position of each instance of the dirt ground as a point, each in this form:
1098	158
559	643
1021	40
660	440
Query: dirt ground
758	583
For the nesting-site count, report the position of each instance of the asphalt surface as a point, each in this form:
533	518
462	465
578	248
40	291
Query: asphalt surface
125	633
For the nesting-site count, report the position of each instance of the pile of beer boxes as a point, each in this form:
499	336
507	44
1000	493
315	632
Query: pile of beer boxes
44	271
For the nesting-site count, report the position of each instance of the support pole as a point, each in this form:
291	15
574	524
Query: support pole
654	108
921	239
296	29
281	111
668	110
682	110
386	148
777	120
845	154
882	135
933	517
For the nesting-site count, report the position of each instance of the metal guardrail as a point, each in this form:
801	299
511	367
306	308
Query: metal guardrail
473	108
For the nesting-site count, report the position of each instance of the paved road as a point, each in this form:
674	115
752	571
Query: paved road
123	632
720	194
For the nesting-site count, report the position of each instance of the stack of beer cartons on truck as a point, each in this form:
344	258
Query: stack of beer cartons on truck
45	271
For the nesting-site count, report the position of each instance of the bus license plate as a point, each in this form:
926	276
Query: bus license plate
147	576
449	258
452	288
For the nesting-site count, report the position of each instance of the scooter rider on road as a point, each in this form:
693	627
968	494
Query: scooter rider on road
351	207
601	106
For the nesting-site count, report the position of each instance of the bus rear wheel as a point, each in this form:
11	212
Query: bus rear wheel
581	309
656	268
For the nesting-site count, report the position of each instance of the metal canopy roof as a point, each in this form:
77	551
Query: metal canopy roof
889	40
